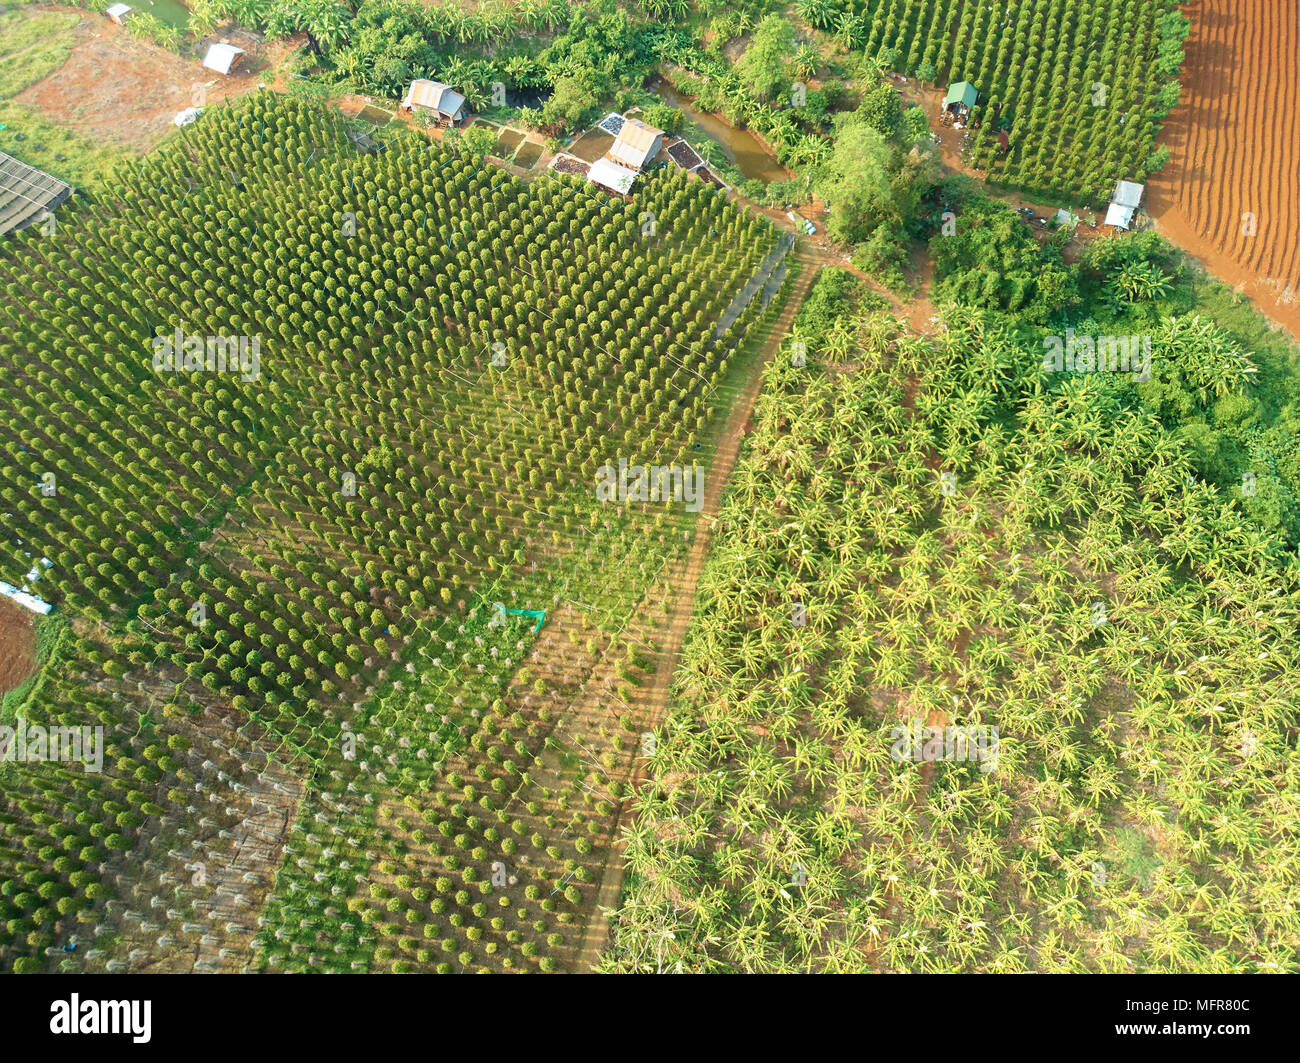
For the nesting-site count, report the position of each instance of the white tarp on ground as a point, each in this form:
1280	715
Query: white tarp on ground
611	175
187	116
27	601
1120	217
222	57
117	12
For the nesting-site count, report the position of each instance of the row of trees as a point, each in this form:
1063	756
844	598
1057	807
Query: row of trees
1080	88
446	357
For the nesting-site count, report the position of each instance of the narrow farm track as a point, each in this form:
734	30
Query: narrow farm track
686	578
1230	194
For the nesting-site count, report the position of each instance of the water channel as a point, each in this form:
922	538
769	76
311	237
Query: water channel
745	150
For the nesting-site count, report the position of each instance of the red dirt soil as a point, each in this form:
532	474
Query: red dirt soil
123	92
17	645
1235	142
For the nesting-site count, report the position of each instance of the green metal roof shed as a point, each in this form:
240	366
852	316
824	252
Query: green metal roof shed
962	92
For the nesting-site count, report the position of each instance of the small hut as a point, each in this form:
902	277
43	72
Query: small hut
223	58
960	99
1124	204
433	97
635	144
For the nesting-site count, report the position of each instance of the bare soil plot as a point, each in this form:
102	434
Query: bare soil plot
684	155
568	164
122	92
1230	194
17	645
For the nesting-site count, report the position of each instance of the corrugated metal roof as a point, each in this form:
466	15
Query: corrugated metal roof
962	92
1128	194
26	193
635	142
434	95
1119	216
611	175
222	58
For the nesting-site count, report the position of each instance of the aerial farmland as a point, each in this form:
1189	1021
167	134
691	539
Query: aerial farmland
648	487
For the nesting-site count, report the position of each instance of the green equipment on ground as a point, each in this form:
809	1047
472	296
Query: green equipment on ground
499	611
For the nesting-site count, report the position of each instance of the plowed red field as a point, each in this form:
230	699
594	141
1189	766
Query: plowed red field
17	645
1235	141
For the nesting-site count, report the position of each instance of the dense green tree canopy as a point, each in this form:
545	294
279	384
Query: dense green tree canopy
993	261
763	66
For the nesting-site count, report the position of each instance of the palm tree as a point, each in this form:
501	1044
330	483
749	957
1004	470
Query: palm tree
455	72
849	30
805	61
818	13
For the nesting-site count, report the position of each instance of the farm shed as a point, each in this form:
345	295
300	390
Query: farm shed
636	144
1127	199
223	58
612	176
26	193
118	12
434	96
961	97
